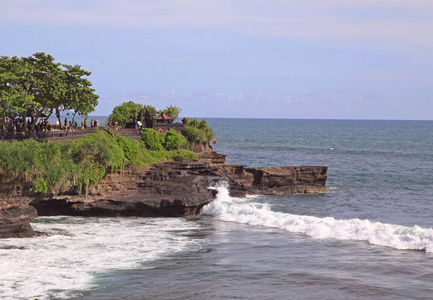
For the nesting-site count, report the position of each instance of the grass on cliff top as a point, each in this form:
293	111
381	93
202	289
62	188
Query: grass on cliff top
83	162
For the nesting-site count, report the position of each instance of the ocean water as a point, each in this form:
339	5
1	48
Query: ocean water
369	237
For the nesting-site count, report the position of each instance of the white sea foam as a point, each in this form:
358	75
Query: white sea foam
53	266
399	237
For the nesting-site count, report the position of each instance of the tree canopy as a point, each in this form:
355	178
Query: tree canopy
172	111
38	85
128	112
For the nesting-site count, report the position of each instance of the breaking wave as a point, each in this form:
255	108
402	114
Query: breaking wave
245	211
78	250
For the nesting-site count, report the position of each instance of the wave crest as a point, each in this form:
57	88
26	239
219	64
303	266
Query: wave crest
238	210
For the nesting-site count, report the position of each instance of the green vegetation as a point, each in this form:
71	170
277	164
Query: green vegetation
171	140
82	162
128	111
37	85
198	131
172	111
182	154
152	139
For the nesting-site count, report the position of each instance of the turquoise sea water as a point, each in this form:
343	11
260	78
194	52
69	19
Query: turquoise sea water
369	237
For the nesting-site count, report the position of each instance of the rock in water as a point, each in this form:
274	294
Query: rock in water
15	221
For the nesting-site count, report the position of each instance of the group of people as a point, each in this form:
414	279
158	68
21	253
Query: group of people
13	126
73	124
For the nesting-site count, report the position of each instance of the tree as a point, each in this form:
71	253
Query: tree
45	82
78	96
150	109
172	111
38	85
124	113
13	97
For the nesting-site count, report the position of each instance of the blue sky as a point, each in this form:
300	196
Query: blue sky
326	59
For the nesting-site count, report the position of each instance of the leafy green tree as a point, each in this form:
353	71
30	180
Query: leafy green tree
172	111
38	85
46	83
124	113
151	109
79	96
13	98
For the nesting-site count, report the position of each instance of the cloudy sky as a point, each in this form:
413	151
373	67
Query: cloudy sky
320	59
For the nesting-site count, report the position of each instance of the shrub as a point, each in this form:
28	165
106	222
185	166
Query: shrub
132	149
173	140
197	131
152	139
99	148
183	154
85	161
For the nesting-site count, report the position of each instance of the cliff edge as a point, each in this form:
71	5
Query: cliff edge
171	189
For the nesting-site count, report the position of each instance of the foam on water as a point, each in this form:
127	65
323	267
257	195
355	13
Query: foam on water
79	249
247	212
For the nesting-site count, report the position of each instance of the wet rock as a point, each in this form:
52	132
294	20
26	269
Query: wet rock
15	221
178	189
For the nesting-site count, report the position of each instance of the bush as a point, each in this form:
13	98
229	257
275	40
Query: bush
85	161
152	139
183	154
132	149
197	131
173	140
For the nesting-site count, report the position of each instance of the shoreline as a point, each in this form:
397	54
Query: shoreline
169	189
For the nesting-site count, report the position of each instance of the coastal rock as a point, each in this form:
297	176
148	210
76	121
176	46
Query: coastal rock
173	189
176	189
274	181
15	221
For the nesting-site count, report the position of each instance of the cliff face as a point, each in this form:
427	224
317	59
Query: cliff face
172	189
274	181
176	189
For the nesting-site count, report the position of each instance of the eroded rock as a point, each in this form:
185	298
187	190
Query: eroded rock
15	221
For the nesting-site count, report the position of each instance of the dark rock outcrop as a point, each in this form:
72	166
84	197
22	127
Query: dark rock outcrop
15	221
176	189
172	189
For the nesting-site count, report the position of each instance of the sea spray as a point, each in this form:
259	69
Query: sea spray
78	250
246	211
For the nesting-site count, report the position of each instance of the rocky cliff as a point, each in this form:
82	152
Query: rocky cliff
172	189
175	189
